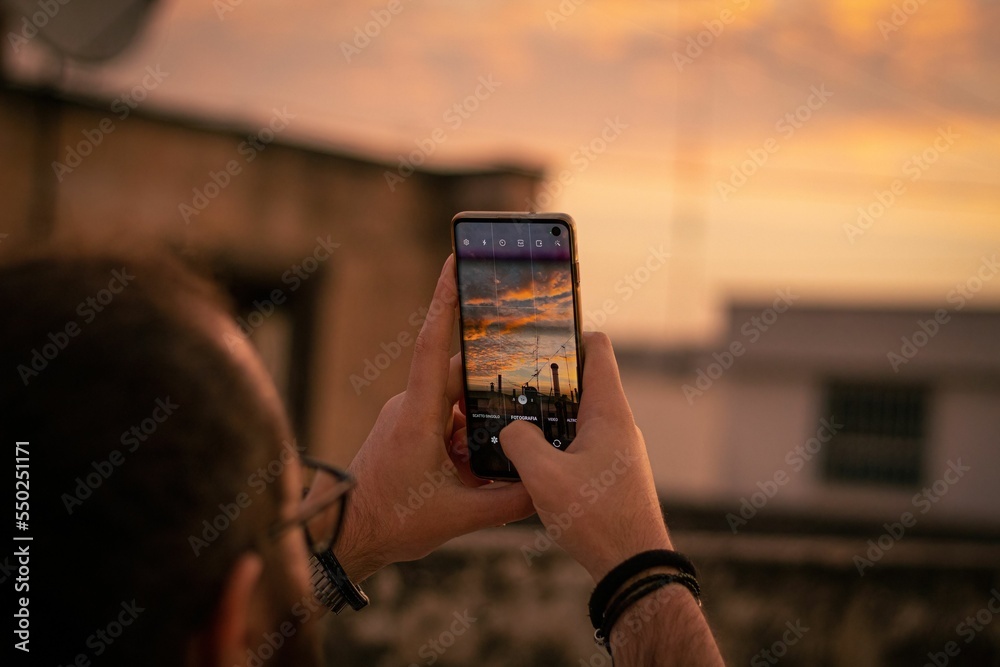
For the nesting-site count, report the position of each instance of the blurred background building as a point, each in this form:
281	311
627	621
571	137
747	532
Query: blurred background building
811	413
816	367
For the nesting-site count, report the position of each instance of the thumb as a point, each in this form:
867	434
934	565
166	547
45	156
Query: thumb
528	450
492	505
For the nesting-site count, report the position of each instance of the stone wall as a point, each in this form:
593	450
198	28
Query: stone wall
907	605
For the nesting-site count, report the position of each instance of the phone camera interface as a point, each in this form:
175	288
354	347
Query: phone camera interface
519	336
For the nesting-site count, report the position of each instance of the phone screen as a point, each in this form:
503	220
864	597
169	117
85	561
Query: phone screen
518	306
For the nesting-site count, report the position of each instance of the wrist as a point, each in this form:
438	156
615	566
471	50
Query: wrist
605	560
634	579
356	549
357	564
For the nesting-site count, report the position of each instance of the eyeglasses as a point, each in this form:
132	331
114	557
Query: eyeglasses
321	514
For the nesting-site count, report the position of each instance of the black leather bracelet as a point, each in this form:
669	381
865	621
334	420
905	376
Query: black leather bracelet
635	592
684	579
631	567
650	585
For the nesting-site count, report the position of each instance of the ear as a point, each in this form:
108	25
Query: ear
234	620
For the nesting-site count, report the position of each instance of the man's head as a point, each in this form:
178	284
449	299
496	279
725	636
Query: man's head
148	436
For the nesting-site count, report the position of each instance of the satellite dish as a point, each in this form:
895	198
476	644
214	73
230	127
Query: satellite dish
87	30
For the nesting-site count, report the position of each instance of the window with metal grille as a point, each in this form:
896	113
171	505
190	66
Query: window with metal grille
882	438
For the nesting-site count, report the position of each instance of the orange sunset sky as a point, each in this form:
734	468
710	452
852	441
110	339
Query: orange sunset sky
515	312
739	136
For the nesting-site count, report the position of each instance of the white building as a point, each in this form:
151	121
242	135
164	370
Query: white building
834	412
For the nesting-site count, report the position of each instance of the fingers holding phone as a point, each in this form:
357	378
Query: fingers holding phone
578	452
600	493
519	305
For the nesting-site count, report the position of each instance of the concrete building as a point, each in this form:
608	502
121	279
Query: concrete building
331	257
842	413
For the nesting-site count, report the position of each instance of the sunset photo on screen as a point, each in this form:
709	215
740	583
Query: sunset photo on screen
520	342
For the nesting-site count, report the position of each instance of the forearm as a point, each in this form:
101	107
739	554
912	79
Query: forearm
358	565
355	549
666	627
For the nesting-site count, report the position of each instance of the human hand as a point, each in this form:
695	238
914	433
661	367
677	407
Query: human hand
599	493
415	490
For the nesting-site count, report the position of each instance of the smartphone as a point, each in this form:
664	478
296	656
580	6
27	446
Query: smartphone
519	309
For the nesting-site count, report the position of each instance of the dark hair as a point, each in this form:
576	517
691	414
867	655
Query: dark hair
112	510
